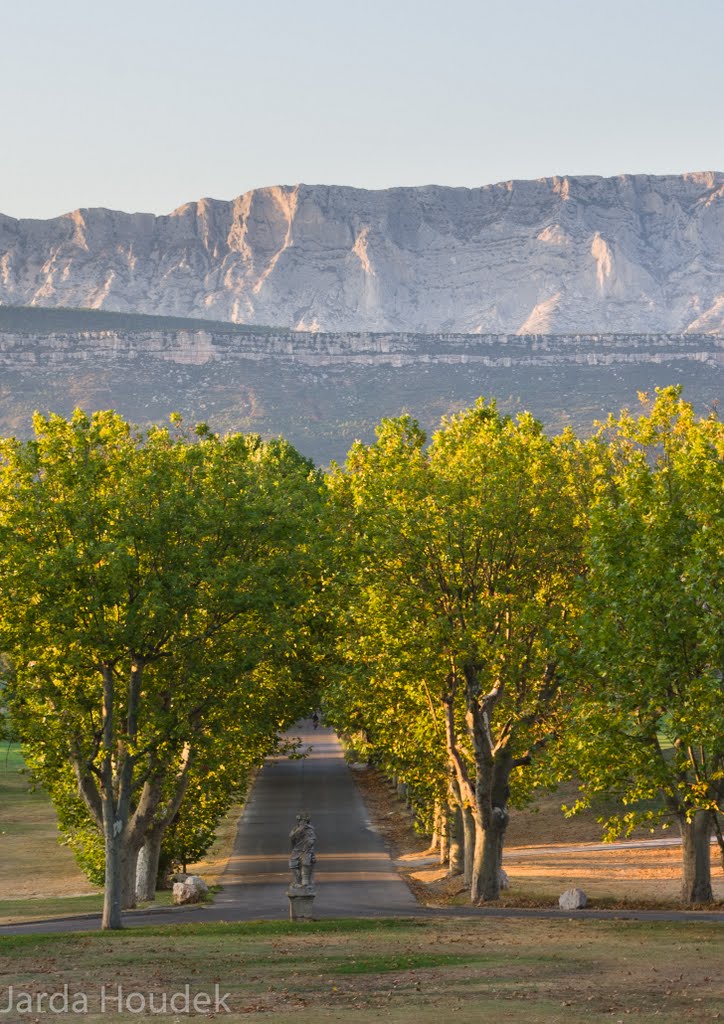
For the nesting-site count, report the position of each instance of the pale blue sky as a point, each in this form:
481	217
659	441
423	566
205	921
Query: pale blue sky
145	105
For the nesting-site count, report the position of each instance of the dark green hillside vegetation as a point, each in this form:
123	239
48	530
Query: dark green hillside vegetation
324	391
42	319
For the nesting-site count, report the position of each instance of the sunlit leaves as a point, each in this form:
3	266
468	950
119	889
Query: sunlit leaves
182	556
650	721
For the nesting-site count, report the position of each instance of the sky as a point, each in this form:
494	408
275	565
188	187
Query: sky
142	106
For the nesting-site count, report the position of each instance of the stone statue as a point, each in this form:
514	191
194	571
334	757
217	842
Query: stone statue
303	839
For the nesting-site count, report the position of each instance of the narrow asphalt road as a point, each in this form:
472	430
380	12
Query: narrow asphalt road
354	874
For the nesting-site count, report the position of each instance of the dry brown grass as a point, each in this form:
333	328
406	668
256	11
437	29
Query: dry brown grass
357	972
536	860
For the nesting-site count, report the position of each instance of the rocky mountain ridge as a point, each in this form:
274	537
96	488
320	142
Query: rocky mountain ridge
636	254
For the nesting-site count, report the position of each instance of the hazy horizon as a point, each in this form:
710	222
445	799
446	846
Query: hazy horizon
145	107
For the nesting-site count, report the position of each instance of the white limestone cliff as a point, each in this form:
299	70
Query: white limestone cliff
636	253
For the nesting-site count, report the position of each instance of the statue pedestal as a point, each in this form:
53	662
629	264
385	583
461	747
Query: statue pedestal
301	901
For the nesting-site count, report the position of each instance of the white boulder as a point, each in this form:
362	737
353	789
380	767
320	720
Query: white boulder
572	899
191	890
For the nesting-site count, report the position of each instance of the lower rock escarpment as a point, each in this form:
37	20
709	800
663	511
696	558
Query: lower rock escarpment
324	390
196	348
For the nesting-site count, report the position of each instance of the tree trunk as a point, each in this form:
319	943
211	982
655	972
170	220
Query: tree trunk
456	837
113	819
696	853
435	838
493	855
469	834
467	794
444	835
476	890
113	878
456	851
149	824
147	866
492	792
129	860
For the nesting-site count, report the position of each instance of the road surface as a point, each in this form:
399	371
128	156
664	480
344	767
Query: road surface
354	874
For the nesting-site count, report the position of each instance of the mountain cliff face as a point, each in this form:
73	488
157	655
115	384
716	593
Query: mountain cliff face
634	254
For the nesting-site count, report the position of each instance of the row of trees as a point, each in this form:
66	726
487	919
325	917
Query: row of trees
495	610
521	608
152	596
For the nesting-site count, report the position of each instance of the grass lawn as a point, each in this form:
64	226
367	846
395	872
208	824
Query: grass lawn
532	972
33	865
39	878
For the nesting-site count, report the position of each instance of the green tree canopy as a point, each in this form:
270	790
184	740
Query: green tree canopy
649	723
467	551
144	579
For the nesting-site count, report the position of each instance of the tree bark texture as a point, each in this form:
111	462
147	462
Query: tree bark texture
472	825
113	826
476	880
116	780
113	875
495	823
435	838
493	765
129	860
444	849
147	866
493	854
696	857
456	840
469	834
